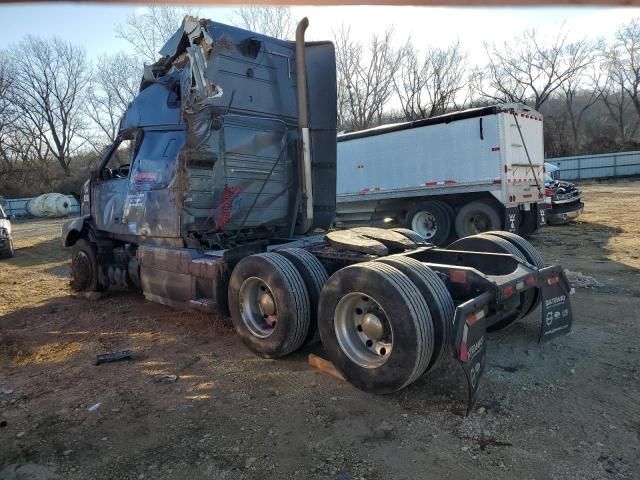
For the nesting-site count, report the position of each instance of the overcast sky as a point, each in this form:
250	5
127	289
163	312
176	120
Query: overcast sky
93	25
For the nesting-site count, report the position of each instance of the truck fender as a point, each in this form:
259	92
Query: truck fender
72	230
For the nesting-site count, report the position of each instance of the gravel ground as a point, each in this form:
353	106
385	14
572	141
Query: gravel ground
569	409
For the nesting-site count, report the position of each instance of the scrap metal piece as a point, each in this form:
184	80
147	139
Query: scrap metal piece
114	357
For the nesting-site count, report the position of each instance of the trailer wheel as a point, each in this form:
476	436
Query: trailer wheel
84	267
488	243
415	237
431	221
376	327
314	276
269	305
438	299
477	217
531	254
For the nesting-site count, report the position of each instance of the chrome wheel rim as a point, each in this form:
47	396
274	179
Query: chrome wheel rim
258	307
425	224
363	330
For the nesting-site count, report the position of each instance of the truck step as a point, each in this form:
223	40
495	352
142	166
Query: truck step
203	304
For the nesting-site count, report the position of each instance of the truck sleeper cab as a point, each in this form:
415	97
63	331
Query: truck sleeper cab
218	195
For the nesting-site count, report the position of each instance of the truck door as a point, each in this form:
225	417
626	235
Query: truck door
152	203
112	183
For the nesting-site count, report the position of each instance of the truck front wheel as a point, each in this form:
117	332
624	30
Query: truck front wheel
84	267
477	217
430	220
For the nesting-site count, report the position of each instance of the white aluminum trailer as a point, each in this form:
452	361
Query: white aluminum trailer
453	175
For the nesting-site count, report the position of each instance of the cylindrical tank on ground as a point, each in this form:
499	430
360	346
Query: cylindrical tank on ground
51	205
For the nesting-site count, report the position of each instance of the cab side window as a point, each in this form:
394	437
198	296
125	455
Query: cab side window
119	162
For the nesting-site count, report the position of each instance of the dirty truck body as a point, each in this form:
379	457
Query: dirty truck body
452	175
218	195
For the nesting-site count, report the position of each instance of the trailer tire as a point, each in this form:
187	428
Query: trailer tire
438	299
269	305
371	364
477	217
415	237
85	276
531	254
491	243
431	221
315	276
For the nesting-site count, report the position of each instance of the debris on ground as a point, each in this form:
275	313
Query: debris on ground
6	390
581	280
114	357
94	407
165	378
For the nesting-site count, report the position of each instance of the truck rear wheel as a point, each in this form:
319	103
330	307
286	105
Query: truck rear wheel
376	327
477	217
438	299
314	276
269	305
8	252
488	243
431	221
531	254
84	267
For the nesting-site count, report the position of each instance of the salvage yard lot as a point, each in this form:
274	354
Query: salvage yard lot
566	409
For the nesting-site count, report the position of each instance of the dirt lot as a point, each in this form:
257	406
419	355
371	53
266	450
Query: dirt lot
567	409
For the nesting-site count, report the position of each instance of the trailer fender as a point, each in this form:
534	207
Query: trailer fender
469	342
71	230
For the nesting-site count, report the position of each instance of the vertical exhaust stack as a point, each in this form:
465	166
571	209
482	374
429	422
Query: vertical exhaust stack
303	124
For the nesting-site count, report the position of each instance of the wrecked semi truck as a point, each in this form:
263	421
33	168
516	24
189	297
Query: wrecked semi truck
217	196
456	174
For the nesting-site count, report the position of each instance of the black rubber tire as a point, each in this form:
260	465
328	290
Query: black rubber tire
85	275
314	276
528	222
467	212
438	299
411	325
415	237
496	244
531	254
529	251
442	219
291	299
8	252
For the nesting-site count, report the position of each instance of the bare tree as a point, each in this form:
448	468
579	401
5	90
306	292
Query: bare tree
365	77
430	86
526	70
113	84
147	32
272	21
48	90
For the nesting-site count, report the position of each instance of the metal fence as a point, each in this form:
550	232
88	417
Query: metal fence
598	166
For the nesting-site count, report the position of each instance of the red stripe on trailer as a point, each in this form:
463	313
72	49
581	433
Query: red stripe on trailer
495	149
497	181
430	184
450	182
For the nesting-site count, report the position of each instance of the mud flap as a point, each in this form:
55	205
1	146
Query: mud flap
557	316
469	342
512	219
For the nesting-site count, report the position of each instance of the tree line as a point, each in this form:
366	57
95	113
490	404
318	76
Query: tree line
59	109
